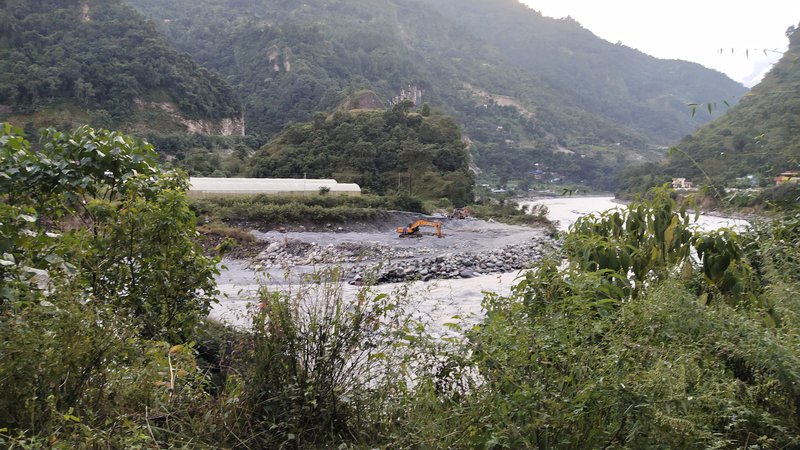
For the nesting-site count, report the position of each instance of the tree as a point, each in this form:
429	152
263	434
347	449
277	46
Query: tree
426	110
101	207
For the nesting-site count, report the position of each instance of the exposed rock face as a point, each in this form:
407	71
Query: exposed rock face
501	100
273	53
223	127
280	60
230	126
411	93
365	100
85	17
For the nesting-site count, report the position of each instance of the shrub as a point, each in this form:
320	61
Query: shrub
122	223
321	361
98	258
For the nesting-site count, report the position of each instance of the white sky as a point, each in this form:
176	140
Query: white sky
692	30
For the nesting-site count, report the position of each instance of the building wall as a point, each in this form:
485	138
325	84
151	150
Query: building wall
269	186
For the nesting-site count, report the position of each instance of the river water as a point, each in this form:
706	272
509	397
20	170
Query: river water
436	301
566	211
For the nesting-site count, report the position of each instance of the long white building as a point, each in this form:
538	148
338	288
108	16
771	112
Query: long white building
274	186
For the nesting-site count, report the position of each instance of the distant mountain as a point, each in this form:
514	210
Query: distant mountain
533	94
759	136
609	80
67	62
527	89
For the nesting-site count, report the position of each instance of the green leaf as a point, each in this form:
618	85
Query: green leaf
379	355
769	321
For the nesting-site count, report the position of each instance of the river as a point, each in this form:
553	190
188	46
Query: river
436	301
566	210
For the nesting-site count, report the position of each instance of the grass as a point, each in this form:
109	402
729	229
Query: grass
316	209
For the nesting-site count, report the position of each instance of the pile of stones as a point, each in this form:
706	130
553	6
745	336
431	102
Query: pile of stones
450	266
378	263
292	252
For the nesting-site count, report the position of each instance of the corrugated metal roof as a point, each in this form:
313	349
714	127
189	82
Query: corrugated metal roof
267	185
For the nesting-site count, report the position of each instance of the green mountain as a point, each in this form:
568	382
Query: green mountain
759	136
66	62
609	80
527	89
383	151
531	93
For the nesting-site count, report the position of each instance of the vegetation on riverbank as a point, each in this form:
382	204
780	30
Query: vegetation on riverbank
270	210
630	341
395	151
741	156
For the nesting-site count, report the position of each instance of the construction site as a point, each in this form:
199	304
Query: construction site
453	260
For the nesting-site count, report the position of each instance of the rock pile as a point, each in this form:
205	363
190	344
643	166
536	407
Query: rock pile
292	252
448	266
377	263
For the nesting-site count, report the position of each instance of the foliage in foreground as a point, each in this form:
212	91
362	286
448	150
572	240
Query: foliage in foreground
636	343
631	342
99	272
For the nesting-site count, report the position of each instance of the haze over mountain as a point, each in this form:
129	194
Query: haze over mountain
759	136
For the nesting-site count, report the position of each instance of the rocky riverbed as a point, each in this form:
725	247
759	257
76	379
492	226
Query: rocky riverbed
376	262
452	274
469	248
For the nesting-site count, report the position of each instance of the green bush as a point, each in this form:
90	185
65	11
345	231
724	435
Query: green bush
122	224
280	210
662	371
98	258
321	364
607	350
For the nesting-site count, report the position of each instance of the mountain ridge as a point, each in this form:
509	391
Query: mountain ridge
756	138
106	60
280	62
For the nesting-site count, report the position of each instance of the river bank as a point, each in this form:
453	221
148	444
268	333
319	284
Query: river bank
451	274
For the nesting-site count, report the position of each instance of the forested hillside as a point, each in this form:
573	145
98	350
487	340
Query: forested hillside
758	137
531	93
101	61
421	155
290	60
610	80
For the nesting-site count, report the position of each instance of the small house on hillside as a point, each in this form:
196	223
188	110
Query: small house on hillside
271	186
681	183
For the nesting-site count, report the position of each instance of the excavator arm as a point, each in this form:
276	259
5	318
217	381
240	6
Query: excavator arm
412	230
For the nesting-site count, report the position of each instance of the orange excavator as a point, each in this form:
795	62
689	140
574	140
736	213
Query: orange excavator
412	230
